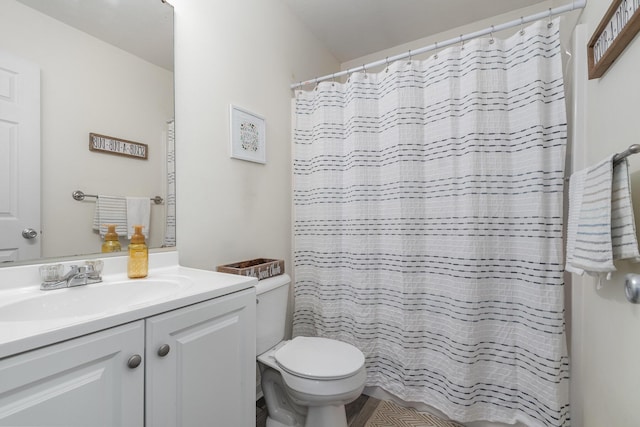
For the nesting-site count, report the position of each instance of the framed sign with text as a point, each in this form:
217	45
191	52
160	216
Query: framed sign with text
618	27
248	135
117	146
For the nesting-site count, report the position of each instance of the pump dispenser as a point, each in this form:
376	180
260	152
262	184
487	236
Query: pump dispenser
138	265
111	242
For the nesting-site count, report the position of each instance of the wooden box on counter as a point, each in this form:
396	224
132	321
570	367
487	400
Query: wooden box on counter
262	268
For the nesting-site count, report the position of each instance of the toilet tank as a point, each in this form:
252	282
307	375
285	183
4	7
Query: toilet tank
271	311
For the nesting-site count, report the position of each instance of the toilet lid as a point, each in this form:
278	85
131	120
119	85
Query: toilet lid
319	358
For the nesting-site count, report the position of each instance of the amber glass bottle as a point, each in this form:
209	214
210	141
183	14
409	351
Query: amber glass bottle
138	265
111	242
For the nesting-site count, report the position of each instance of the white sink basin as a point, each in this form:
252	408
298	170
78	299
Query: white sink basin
32	318
90	300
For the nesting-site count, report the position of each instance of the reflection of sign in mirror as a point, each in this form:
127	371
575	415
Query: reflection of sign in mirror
121	147
247	136
618	27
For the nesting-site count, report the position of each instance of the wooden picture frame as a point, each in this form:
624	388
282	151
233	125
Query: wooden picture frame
618	27
248	135
117	146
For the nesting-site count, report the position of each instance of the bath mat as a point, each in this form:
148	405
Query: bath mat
388	414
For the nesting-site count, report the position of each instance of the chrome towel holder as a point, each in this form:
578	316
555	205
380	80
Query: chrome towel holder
633	149
631	281
80	195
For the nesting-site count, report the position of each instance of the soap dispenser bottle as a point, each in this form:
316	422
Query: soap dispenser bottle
138	265
111	242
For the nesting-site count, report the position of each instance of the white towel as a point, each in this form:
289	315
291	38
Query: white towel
138	213
110	210
623	225
601	225
576	188
593	252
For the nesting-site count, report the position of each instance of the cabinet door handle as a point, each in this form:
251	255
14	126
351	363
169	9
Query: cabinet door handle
134	361
163	350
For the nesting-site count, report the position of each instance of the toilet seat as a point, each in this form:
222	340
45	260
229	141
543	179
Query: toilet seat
319	358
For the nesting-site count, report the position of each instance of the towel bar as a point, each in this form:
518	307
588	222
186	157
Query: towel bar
633	149
79	196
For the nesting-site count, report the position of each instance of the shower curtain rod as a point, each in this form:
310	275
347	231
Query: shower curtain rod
576	4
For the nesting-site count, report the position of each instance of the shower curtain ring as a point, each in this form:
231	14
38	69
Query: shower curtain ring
364	69
436	55
461	43
333	80
386	61
491	40
550	24
522	26
410	58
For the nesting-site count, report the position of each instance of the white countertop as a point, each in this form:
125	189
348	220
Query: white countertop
23	282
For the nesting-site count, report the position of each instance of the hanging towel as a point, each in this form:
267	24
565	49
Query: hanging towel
623	225
138	213
576	188
593	253
601	226
110	210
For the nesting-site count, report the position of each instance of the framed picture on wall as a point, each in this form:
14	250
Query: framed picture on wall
618	27
248	135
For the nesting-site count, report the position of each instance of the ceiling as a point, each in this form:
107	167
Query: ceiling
349	29
97	17
353	28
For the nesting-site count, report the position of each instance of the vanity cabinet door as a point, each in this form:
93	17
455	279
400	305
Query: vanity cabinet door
201	364
81	382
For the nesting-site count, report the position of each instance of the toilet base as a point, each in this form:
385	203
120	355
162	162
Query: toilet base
273	423
322	416
282	411
319	416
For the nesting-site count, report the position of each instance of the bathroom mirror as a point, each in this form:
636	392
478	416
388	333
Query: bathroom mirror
105	67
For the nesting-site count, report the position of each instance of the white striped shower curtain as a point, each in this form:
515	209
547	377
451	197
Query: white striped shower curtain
170	202
428	226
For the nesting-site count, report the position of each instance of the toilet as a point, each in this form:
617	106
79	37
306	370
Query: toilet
306	381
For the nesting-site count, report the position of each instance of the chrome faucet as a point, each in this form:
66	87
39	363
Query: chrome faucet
77	276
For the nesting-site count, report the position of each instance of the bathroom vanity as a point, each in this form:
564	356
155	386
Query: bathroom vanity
182	356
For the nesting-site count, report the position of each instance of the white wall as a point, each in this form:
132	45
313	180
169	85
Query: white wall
606	336
455	33
89	86
246	53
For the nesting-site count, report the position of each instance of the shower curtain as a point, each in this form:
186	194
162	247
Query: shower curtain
170	203
428	226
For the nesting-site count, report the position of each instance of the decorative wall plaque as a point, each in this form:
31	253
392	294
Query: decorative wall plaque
120	147
618	27
248	139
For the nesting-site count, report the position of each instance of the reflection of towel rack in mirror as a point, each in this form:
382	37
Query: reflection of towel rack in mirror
633	149
79	196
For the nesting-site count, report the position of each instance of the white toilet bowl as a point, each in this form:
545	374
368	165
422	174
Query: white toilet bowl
307	381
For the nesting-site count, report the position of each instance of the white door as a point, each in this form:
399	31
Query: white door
201	364
19	159
88	381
